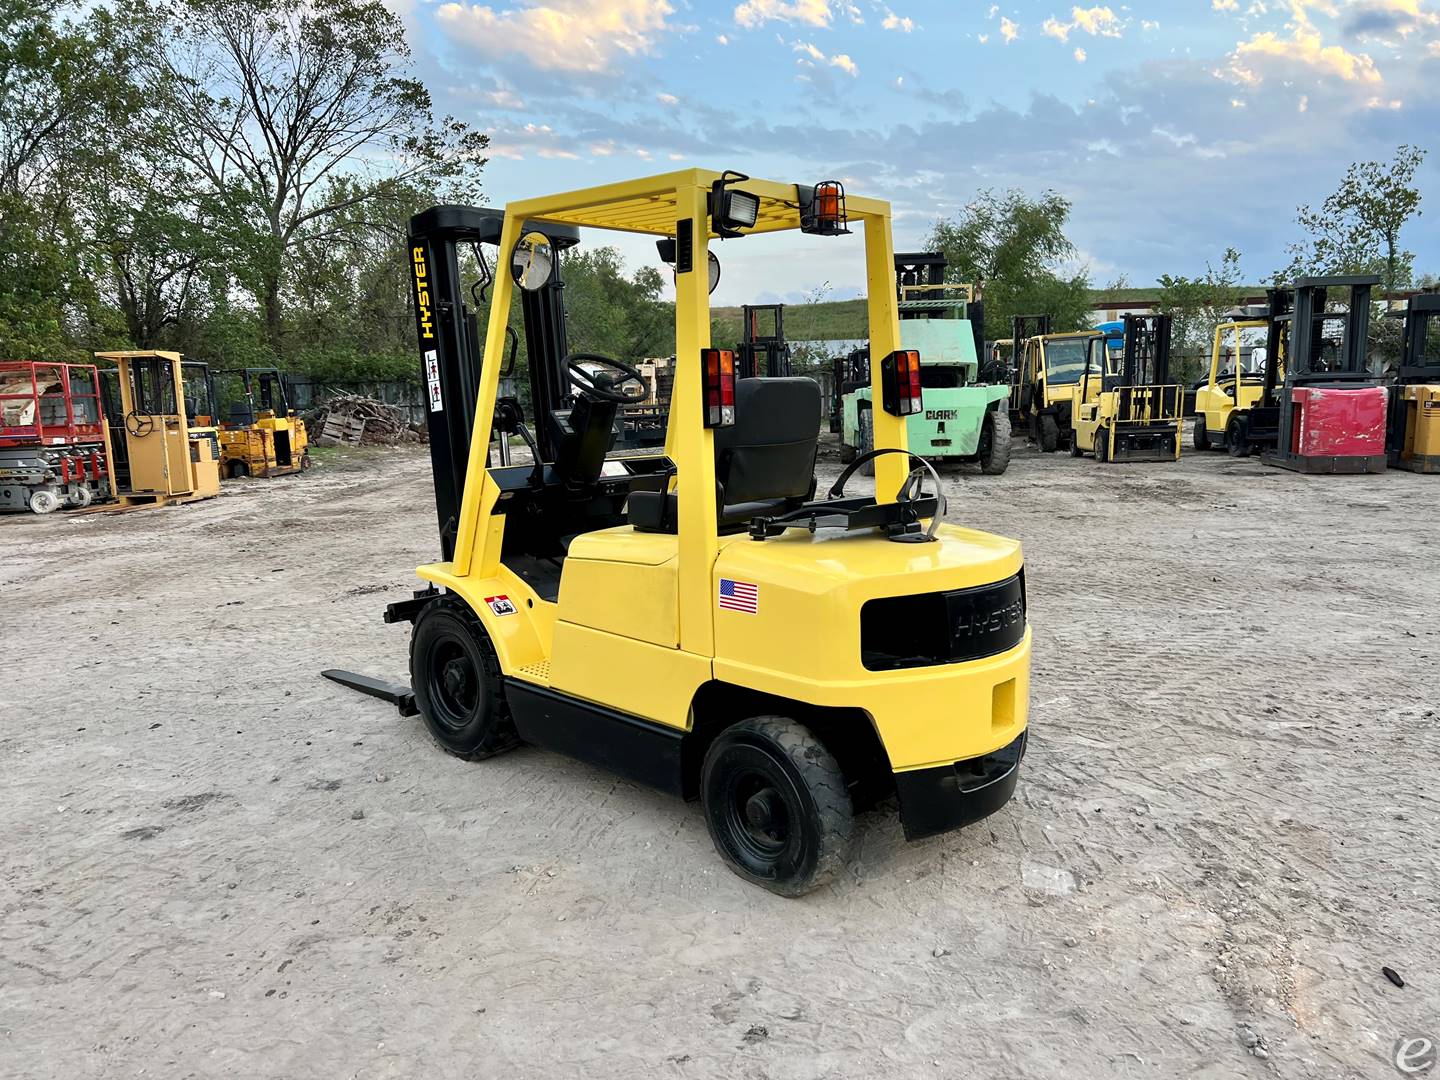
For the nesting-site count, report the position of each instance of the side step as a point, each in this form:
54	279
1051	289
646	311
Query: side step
399	695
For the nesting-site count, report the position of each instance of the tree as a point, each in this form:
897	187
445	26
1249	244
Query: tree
270	103
1197	305
612	313
1016	248
1357	228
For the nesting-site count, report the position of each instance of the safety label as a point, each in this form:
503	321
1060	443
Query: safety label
432	380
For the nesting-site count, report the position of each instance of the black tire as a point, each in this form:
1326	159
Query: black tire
865	419
1102	445
1049	429
777	805
1236	436
995	442
457	682
1075	450
848	453
1200	437
237	469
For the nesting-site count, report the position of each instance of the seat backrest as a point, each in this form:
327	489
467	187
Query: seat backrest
769	452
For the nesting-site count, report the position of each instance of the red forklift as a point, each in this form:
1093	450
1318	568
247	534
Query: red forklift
54	444
1321	409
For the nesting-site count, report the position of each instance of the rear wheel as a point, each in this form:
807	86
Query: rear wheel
1049	429
1200	437
80	496
1237	439
44	500
457	682
237	469
995	442
776	805
1102	444
866	423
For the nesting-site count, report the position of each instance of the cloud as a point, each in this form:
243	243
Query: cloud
1095	21
1080	56
1387	18
583	36
811	55
753	13
667	99
1304	47
1008	30
897	22
1225	5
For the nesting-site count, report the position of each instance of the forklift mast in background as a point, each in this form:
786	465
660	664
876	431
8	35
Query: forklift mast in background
920	272
451	347
763	355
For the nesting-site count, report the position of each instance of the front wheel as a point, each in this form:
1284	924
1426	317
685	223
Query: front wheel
1200	437
995	442
1237	439
1102	445
1049	430
777	805
456	678
44	500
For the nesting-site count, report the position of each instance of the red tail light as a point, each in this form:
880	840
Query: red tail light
900	382
718	366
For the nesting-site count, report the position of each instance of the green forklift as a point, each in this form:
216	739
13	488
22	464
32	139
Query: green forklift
965	419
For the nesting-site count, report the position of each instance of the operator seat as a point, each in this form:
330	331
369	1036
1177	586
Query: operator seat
764	462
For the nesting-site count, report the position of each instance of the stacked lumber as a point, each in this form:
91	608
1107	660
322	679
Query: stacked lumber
361	421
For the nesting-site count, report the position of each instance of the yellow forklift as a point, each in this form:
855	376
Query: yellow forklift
164	405
1235	380
1413	438
1046	379
698	619
261	435
1127	409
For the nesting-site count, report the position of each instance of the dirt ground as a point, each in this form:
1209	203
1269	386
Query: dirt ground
217	864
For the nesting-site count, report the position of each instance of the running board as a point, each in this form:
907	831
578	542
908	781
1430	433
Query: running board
399	695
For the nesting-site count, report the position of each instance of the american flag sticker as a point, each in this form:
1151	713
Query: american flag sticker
739	596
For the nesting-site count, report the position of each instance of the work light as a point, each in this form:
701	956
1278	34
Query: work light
731	210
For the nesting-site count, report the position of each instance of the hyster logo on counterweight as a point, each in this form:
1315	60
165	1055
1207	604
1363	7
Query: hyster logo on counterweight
422	293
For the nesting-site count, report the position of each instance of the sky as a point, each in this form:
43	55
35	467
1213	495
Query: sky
1175	129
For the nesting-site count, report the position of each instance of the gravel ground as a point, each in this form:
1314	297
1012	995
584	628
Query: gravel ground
215	863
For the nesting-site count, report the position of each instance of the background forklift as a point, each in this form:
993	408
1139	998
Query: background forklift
1234	381
1413	433
1137	413
259	433
163	405
763	352
1320	410
697	620
1046	379
964	420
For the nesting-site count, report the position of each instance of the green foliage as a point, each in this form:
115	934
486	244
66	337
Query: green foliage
1357	228
1197	305
613	314
1015	247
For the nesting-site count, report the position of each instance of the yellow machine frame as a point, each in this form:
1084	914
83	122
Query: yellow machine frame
171	461
1216	400
253	449
1059	402
1101	416
638	639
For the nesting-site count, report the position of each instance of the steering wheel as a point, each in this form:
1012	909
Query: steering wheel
587	382
910	490
138	424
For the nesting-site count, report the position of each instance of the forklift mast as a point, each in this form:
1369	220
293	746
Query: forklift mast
1296	336
773	348
1146	354
1420	350
927	268
446	321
